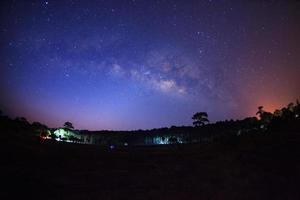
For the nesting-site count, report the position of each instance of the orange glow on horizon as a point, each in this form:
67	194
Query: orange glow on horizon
271	105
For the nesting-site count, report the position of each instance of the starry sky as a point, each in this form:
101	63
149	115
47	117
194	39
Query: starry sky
141	64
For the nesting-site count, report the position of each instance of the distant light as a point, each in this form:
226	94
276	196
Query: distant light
111	146
125	144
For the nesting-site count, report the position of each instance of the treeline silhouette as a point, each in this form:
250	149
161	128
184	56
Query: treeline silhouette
284	120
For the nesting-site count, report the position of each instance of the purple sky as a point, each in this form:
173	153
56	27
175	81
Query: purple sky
137	64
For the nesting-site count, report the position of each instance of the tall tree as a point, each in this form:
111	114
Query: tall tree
200	118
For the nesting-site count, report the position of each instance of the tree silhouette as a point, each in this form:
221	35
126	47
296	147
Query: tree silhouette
200	118
277	113
260	111
287	113
265	117
68	125
173	140
297	109
39	128
22	120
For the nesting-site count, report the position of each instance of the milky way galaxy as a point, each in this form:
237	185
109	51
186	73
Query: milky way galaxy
138	64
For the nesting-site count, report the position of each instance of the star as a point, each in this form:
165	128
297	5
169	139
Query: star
139	61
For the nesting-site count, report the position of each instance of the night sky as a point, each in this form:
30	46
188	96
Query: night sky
137	64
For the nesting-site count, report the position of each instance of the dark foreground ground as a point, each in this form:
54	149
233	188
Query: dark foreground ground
252	167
